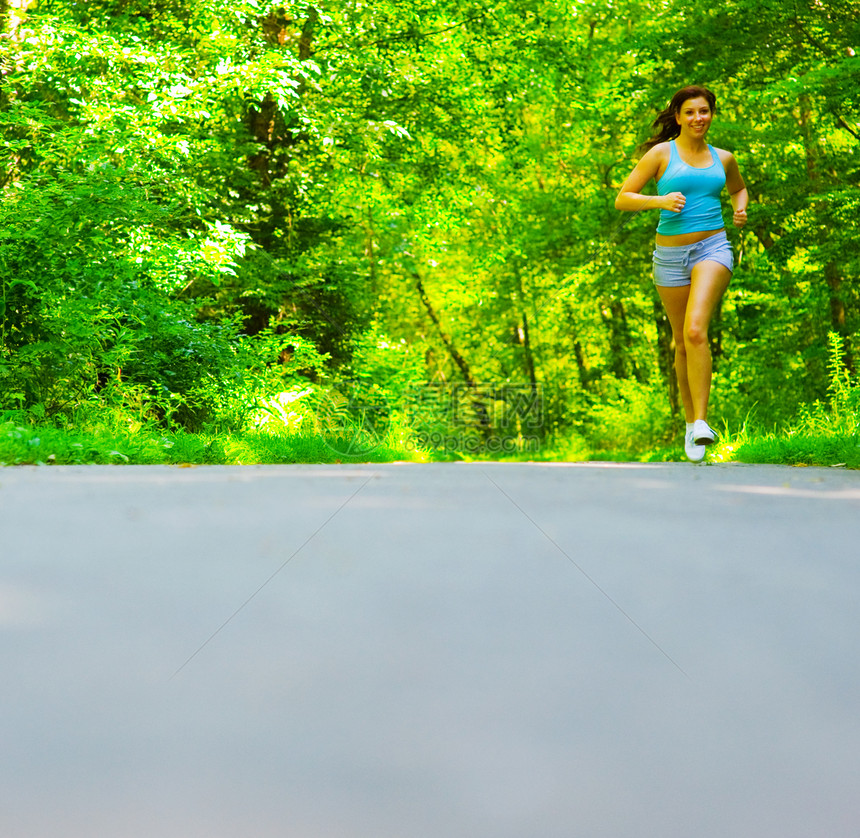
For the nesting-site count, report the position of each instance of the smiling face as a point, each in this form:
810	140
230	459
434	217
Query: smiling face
694	116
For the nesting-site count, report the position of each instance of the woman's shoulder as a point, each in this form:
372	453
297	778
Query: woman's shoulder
725	156
660	151
664	147
730	165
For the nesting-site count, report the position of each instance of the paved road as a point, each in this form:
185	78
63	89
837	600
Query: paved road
430	651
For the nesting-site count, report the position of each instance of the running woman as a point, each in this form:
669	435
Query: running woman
693	259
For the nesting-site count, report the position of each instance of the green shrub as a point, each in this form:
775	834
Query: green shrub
631	418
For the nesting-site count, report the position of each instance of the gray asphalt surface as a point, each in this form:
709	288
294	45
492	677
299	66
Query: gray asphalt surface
430	651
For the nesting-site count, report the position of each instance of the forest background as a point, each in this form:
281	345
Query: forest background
380	230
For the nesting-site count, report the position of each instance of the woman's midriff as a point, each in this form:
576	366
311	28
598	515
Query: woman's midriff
686	238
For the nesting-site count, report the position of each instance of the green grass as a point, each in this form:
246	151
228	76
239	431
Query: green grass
28	444
836	447
794	449
24	444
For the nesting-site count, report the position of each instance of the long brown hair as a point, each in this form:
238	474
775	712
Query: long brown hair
665	127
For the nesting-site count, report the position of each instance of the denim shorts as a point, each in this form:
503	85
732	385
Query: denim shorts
674	265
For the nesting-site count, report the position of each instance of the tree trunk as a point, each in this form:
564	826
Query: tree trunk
370	250
620	341
456	357
306	38
265	122
581	366
475	398
525	341
578	352
529	356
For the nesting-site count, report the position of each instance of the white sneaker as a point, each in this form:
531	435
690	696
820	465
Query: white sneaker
695	453
703	433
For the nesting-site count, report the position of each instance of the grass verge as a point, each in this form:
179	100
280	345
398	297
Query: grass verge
46	445
837	448
794	449
24	444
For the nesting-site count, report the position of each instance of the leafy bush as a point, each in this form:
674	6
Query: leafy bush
91	311
631	418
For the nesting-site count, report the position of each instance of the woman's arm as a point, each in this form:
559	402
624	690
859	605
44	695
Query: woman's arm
737	190
631	199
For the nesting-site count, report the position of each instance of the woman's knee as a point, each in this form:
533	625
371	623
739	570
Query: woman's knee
695	335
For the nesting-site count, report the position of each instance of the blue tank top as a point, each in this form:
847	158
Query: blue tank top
701	188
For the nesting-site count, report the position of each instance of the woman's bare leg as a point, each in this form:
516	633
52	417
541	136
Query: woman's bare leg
709	283
675	299
690	309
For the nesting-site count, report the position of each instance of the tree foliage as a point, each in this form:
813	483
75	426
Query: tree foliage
203	202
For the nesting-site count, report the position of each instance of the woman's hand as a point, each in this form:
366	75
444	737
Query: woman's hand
674	201
739	218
